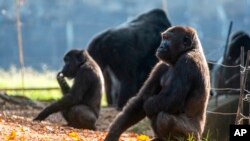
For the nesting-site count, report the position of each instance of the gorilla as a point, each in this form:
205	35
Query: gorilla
80	104
175	95
229	77
125	54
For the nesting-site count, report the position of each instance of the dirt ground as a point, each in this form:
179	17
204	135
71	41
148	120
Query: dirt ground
107	114
16	124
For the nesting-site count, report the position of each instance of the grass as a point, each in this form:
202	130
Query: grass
142	127
11	78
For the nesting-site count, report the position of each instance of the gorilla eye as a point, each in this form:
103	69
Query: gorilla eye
187	41
165	37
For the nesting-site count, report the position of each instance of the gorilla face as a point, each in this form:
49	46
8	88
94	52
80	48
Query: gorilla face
175	41
72	62
164	52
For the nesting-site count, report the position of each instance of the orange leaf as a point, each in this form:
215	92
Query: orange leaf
142	138
1	120
12	135
22	129
72	134
23	138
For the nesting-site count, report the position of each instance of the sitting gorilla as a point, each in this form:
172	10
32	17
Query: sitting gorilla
175	95
80	104
229	77
125	54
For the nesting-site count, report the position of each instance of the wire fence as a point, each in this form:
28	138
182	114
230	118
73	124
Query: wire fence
223	65
244	94
223	89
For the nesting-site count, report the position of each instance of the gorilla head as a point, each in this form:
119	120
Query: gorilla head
72	62
176	41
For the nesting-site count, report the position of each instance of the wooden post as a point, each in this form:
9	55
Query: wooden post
19	38
240	105
244	83
164	5
246	77
228	35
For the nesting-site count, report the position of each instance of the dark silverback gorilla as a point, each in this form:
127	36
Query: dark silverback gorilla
229	77
126	54
80	104
175	95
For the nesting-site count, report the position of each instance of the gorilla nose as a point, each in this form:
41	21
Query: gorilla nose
162	48
164	45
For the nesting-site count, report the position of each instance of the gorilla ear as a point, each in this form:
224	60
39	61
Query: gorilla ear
187	41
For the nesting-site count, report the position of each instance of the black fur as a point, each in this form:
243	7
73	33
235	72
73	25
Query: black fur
80	104
175	95
126	54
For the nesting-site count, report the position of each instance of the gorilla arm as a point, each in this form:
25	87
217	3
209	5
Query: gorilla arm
172	96
62	83
131	114
133	111
72	98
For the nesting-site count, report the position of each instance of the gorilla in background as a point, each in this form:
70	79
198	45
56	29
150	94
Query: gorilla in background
229	77
80	104
125	54
175	96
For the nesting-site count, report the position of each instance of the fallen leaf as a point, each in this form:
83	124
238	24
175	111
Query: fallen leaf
73	134
142	138
12	135
22	129
23	138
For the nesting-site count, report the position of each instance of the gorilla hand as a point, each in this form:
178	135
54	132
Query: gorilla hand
43	115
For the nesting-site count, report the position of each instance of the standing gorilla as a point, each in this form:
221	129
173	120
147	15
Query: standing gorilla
80	104
126	54
229	77
175	95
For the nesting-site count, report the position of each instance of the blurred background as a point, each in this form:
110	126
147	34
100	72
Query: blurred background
49	28
35	35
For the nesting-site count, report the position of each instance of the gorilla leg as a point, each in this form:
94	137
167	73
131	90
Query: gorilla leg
127	90
167	126
80	116
112	85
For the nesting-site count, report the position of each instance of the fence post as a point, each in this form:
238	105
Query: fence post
227	40
240	106
164	5
244	83
246	77
19	39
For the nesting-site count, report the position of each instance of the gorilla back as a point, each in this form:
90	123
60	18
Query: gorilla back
126	54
